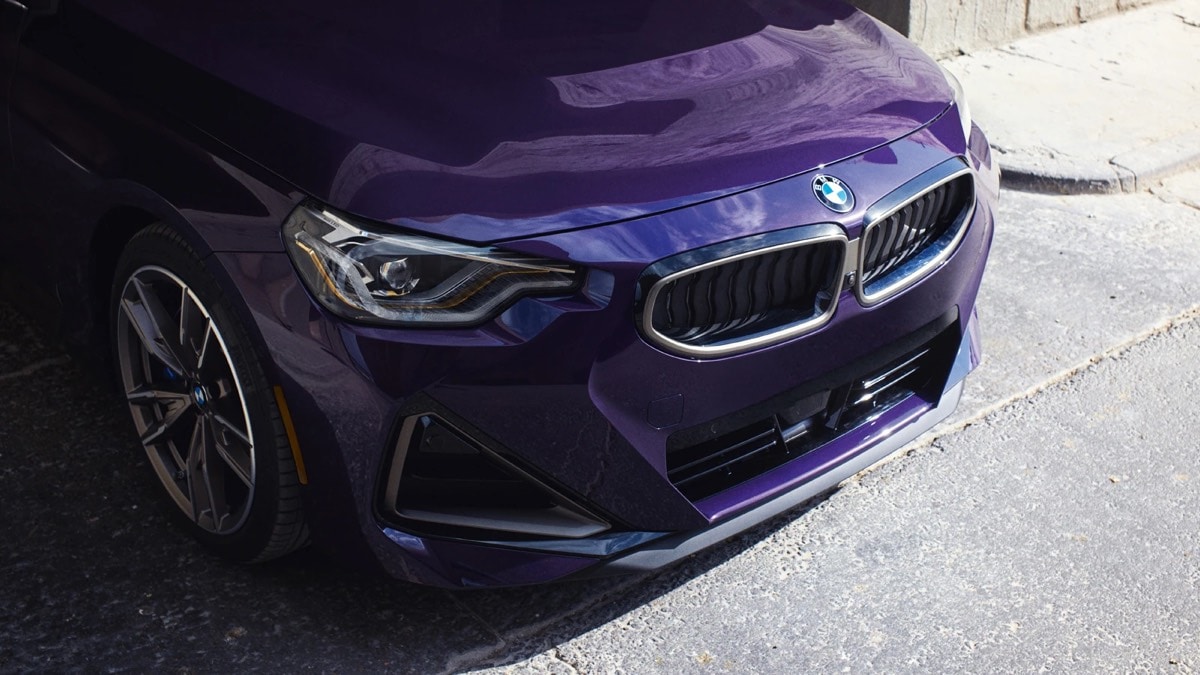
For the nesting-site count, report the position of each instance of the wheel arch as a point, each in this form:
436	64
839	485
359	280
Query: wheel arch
114	227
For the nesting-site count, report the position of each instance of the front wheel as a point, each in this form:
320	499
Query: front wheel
200	402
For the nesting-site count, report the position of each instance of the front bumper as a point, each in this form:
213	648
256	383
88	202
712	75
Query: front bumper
669	549
568	387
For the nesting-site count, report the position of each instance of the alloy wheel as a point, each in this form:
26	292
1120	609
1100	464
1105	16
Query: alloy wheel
187	402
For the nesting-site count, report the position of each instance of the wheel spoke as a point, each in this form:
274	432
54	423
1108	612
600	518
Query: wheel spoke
195	461
149	319
156	393
214	488
181	464
238	461
227	426
158	428
194	329
206	491
202	355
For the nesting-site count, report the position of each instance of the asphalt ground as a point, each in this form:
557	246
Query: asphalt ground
1051	523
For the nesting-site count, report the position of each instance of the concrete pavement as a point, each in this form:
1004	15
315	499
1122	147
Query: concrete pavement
1050	524
945	27
1059	533
1107	106
925	561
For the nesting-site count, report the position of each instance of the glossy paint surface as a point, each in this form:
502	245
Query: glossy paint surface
611	136
565	384
494	120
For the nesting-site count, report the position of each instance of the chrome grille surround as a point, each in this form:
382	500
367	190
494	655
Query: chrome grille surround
911	264
915	264
664	273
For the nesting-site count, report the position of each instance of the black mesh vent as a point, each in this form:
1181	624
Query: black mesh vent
443	470
749	295
904	235
443	483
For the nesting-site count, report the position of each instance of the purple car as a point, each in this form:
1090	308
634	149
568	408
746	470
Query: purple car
495	292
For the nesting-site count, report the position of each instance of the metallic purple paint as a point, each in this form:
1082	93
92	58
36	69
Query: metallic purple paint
539	120
612	138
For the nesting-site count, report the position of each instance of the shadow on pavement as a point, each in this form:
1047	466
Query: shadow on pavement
96	575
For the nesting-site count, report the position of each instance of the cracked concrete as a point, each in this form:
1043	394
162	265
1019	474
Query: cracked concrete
1182	189
1091	109
950	27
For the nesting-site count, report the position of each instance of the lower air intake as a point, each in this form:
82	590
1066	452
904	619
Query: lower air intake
799	424
444	483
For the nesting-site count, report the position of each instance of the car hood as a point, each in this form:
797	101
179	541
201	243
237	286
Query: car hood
486	120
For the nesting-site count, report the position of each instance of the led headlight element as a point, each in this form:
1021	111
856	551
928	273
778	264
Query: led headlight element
360	272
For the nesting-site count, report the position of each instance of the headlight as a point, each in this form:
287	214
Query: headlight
362	273
960	101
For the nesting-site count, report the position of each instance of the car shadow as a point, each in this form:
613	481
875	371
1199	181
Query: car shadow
98	576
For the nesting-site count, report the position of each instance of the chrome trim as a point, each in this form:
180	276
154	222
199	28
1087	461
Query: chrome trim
567	520
874	381
558	522
922	265
823	232
600	546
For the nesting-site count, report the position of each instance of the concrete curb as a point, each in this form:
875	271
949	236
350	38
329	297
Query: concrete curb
1131	171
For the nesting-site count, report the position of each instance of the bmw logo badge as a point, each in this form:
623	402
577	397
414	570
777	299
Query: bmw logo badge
833	193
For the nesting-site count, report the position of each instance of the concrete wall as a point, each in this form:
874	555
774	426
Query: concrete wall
947	27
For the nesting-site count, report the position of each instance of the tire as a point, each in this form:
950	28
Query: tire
200	402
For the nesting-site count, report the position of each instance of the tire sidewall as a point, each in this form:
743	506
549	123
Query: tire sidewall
157	246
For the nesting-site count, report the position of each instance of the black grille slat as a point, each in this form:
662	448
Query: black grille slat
941	199
903	223
905	234
669	301
723	458
828	268
728	467
757	298
779	285
812	269
696	295
697	290
749	295
740	290
916	224
725	284
767	278
710	296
